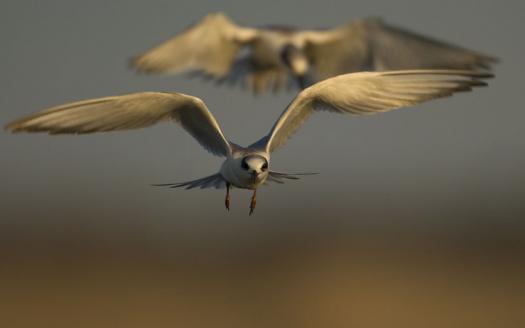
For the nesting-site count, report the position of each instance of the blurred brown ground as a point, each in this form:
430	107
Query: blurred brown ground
336	278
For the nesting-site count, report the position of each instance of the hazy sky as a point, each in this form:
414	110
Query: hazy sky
455	160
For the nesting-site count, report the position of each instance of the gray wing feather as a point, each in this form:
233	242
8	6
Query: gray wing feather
213	181
368	93
278	177
371	45
130	111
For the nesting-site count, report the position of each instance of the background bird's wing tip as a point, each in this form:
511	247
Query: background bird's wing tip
12	127
131	60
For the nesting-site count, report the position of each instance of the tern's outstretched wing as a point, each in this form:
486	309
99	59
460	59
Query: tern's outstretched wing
368	93
130	111
209	46
372	45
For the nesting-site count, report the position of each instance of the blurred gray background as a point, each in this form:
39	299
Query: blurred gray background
450	171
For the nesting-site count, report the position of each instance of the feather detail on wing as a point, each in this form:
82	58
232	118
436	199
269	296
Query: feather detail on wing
132	111
368	93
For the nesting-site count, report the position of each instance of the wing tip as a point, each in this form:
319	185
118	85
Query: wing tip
146	64
132	62
10	128
171	185
486	60
17	126
481	75
141	65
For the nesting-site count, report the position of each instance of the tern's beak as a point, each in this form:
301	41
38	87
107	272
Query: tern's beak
295	59
299	64
254	176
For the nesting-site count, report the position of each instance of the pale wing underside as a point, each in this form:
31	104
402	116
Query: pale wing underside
213	181
126	112
368	93
371	45
210	46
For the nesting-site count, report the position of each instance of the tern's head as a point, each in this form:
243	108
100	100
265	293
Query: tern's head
254	165
295	59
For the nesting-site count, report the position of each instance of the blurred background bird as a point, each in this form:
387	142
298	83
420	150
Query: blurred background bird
273	57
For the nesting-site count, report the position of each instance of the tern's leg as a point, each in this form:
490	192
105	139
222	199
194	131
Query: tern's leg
253	202
227	200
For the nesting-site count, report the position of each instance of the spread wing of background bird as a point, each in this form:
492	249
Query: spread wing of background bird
209	46
372	45
132	111
368	93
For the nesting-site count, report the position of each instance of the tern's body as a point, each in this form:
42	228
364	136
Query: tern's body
249	167
266	49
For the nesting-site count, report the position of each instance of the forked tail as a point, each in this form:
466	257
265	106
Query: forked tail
212	181
278	177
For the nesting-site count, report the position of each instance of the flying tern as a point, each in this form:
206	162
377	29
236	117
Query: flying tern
249	167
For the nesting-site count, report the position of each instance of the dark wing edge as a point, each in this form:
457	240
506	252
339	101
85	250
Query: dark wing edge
370	44
212	181
277	177
448	55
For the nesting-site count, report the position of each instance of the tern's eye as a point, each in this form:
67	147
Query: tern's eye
264	167
244	165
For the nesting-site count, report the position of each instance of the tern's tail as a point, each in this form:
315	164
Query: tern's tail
278	177
212	181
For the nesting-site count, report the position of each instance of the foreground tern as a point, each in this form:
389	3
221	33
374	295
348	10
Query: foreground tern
274	57
249	167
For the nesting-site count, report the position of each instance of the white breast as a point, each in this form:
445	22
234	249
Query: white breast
233	173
